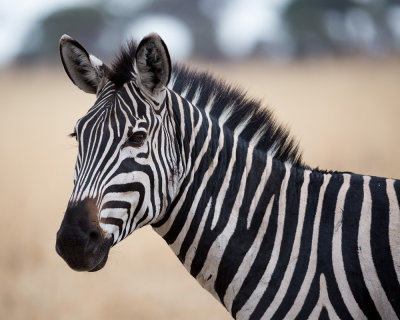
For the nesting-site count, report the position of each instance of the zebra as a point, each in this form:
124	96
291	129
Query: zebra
225	185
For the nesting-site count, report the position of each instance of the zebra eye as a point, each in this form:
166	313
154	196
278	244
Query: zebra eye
136	139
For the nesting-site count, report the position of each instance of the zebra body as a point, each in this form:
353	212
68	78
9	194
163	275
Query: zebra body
225	187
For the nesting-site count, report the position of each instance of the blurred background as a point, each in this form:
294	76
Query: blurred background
329	69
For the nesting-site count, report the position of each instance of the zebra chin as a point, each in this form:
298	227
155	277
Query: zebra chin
80	241
88	261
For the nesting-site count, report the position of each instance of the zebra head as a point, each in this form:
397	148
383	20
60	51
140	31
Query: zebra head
126	170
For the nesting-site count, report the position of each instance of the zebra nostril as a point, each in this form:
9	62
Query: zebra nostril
94	235
93	239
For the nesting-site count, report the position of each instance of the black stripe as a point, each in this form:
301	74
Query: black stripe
119	204
210	235
123	188
189	126
380	245
324	255
311	299
114	221
327	229
183	214
352	267
190	94
286	245
145	216
264	254
242	239
96	146
397	190
324	314
214	184
316	180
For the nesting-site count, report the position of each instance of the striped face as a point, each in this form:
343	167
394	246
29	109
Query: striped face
127	157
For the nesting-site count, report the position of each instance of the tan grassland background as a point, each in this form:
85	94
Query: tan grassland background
345	114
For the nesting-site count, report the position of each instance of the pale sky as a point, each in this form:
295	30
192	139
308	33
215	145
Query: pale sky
16	18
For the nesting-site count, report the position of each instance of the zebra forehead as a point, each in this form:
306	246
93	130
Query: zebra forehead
113	101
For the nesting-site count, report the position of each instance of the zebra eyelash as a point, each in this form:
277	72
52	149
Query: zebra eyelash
72	135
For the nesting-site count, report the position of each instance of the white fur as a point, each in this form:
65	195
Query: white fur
323	301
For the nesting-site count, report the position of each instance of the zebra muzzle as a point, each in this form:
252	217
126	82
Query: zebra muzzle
80	241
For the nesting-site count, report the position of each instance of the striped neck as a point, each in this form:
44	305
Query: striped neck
229	192
268	238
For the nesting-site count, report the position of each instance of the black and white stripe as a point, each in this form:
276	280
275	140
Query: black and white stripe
226	188
290	269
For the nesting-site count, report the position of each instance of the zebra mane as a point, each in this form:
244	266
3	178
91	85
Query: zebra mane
123	66
217	97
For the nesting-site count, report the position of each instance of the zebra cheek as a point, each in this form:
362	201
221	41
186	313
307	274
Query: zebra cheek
111	229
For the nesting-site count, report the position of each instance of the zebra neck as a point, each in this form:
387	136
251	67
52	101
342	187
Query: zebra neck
193	129
264	236
225	202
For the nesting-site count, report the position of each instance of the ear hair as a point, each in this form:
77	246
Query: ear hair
153	63
85	70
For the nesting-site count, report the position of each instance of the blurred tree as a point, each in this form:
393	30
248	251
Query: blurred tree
357	26
305	19
101	27
84	23
200	25
315	27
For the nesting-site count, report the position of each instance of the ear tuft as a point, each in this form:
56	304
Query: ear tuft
85	70
153	63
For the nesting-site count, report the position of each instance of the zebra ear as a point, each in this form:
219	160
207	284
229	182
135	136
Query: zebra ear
86	71
153	63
